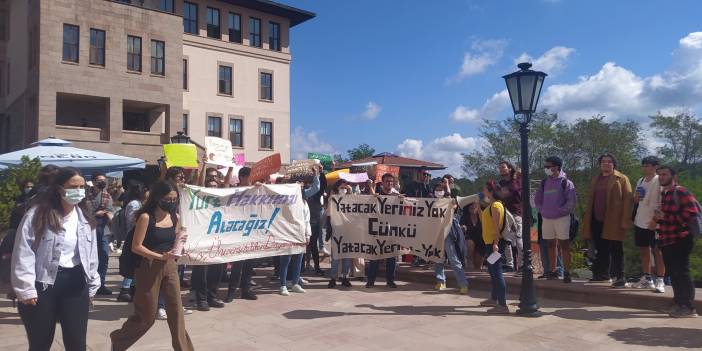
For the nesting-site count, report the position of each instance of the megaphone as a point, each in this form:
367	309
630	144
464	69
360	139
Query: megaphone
464	201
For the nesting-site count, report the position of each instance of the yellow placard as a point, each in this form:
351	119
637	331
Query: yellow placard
180	155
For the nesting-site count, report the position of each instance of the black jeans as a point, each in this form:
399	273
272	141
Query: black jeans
205	281
313	247
66	302
609	260
242	271
677	265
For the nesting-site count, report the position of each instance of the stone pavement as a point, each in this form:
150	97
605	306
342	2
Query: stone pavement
410	318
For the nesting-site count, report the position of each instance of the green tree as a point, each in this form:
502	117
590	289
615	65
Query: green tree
339	159
682	134
10	178
361	151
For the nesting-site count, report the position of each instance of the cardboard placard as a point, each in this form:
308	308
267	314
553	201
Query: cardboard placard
381	169
325	159
180	155
219	151
264	168
354	177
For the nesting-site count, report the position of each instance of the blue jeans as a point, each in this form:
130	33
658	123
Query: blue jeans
161	301
546	260
454	261
296	266
103	251
127	283
389	270
345	267
497	279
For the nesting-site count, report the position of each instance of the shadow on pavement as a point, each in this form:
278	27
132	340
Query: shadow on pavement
582	314
660	336
437	311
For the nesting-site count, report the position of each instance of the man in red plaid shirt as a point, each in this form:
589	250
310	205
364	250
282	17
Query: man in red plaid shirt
674	239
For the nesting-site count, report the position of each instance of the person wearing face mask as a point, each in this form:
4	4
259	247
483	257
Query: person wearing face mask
54	264
100	205
341	187
454	249
155	234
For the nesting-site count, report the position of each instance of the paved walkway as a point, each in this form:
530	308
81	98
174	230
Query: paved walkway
409	318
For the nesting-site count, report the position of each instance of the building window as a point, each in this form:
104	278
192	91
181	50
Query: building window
266	86
213	28
70	43
214	126
4	24
274	36
236	132
97	47
185	74
185	124
225	80
167	6
190	17
255	32
158	57
266	135
235	27
134	53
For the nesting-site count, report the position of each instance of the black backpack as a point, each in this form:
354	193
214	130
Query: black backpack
574	222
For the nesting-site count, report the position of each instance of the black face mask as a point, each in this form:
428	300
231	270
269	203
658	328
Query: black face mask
168	206
100	184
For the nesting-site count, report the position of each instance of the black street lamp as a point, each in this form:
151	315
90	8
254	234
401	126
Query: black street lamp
180	138
524	87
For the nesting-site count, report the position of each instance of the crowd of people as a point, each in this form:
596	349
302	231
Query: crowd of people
61	247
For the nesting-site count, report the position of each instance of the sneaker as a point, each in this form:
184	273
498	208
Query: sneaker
644	283
252	283
124	295
600	280
325	252
297	289
161	315
498	310
230	296
104	291
112	246
187	311
332	284
345	282
249	296
284	291
684	312
620	284
392	285
304	281
440	286
118	251
369	285
552	276
566	278
463	291
543	276
659	286
216	303
202	306
488	303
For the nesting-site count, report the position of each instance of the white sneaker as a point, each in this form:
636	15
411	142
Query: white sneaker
303	281
660	286
118	251
187	311
643	283
298	289
284	291
161	314
112	247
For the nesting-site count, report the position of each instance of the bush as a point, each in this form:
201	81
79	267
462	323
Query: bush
10	178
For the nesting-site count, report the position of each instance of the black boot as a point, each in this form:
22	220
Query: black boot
124	295
332	283
230	296
345	282
202	304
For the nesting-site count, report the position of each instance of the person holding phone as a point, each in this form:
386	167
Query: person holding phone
492	219
154	238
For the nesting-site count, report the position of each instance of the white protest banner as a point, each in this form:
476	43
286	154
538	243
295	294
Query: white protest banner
377	227
233	224
219	151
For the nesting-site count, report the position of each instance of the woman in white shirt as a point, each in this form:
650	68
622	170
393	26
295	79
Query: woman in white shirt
54	264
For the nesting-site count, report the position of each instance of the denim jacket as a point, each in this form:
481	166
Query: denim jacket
32	268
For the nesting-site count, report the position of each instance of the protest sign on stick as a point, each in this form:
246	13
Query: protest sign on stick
233	224
240	159
218	151
180	155
377	227
264	168
326	160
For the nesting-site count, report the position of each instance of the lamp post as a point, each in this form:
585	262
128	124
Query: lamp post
180	138
524	87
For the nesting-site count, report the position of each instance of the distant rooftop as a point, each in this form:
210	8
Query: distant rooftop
295	15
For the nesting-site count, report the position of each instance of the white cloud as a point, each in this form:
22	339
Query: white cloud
444	150
490	109
462	114
552	61
372	111
308	141
484	53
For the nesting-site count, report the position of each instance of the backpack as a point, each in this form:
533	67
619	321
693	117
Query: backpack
509	230
694	224
574	222
118	227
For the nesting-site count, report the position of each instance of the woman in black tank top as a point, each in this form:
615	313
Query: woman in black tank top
154	237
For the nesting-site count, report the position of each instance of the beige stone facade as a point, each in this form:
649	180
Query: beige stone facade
108	107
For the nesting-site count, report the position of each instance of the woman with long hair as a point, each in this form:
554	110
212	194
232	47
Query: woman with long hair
54	263
473	229
136	195
155	234
341	187
492	219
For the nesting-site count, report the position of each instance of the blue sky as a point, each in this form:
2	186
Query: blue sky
416	77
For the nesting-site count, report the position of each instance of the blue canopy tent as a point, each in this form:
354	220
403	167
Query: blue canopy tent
57	152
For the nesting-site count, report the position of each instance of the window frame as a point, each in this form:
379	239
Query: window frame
253	35
234	133
132	55
185	124
186	67
214	117
71	45
213	27
188	21
261	86
156	59
261	143
220	68
96	48
163	6
238	36
271	38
